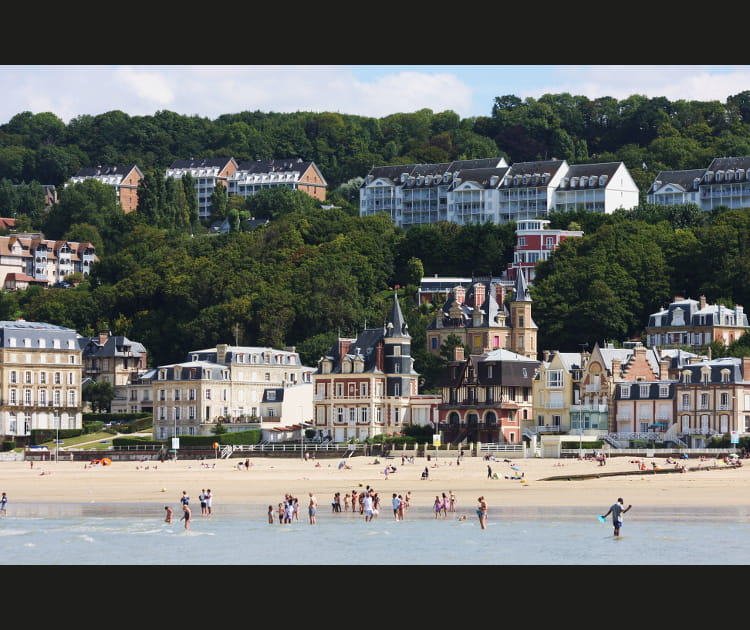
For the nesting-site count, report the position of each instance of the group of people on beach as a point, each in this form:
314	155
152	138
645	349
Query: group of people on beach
444	504
206	502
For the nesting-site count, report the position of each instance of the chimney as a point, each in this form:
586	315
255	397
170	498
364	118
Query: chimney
616	369
459	352
478	295
545	356
221	352
460	293
746	368
379	356
499	294
103	336
344	345
703	302
664	369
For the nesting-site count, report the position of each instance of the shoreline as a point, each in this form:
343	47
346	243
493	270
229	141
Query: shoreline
269	479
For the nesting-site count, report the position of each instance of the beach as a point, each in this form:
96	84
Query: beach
268	479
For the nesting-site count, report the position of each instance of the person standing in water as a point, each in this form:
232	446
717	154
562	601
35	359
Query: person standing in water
617	510
482	512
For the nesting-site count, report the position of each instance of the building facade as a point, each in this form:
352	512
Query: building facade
535	241
557	389
672	188
113	359
482	321
602	370
712	397
124	179
253	176
27	260
415	194
40	379
479	191
487	397
695	323
367	386
207	174
241	387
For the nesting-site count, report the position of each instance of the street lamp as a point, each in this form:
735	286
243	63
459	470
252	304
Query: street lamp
57	439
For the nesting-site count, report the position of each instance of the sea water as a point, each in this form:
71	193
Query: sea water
121	534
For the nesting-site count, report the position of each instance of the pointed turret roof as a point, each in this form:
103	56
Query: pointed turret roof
521	292
396	324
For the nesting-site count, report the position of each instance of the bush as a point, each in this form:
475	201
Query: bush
8	445
587	445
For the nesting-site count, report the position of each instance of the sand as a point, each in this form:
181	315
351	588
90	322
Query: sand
269	479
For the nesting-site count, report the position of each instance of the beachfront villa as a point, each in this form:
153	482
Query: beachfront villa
241	387
487	397
40	379
367	386
483	320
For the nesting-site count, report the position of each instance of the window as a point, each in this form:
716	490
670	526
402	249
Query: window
554	378
489	371
704	401
663	391
644	391
724	401
624	391
271	395
13	376
352	415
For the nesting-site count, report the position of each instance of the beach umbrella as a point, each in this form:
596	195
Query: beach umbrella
516	468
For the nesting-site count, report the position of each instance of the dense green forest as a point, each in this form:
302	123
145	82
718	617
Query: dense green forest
312	273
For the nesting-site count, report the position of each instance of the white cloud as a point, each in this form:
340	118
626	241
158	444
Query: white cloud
376	91
690	83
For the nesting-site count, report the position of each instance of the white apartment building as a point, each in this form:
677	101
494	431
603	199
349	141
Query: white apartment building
479	191
671	188
725	182
416	193
207	172
253	176
600	188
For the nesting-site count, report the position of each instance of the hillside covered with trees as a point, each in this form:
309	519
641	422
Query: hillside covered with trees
311	273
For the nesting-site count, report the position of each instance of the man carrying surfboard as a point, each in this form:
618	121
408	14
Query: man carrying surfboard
617	510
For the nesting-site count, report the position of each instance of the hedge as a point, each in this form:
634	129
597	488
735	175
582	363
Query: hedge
587	445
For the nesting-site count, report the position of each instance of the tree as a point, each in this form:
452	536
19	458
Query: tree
99	395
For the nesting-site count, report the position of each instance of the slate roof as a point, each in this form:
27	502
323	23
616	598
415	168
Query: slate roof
437	170
102	171
570	360
114	346
532	168
481	176
711	314
716	366
219	163
654	388
684	180
725	163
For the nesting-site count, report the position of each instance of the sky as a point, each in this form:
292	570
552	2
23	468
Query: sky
69	91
